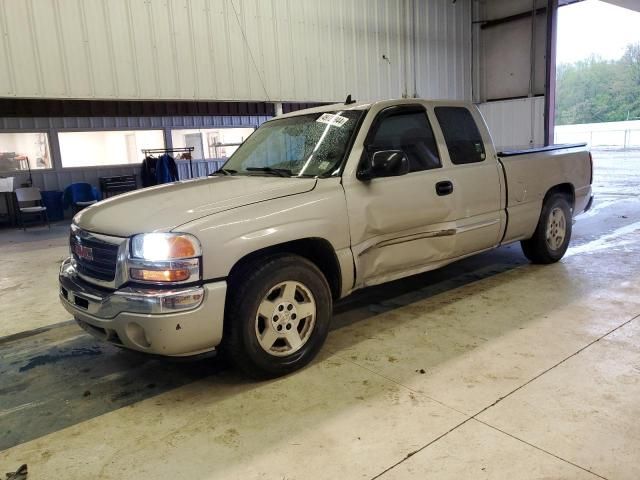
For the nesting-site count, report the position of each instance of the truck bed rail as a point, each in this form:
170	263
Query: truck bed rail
548	148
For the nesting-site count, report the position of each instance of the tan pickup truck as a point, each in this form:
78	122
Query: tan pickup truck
313	206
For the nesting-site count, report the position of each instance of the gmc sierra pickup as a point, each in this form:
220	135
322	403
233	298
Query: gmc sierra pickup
313	206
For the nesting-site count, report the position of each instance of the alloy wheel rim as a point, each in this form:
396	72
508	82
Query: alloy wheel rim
285	318
556	229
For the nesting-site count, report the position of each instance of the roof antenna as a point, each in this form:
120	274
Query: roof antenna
349	101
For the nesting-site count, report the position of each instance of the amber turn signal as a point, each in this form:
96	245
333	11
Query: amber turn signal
181	247
177	275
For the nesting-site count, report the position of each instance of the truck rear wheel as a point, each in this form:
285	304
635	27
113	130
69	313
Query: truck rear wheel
553	233
278	315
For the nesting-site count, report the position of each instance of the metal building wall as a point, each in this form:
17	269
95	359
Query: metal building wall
506	54
443	49
271	50
515	123
510	67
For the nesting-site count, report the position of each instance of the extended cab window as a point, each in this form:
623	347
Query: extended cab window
408	130
461	134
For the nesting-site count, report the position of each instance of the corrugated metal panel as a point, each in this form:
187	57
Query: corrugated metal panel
443	49
515	123
114	123
271	50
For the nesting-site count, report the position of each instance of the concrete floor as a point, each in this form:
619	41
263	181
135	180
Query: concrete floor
489	368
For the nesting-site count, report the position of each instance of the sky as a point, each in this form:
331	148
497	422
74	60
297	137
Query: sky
595	28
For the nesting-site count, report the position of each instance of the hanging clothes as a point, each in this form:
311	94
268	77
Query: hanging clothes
156	171
166	169
148	173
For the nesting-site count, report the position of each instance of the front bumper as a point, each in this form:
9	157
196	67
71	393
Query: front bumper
181	322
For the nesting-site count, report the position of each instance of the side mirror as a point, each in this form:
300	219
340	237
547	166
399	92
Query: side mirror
385	163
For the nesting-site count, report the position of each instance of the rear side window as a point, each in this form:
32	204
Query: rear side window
408	130
461	134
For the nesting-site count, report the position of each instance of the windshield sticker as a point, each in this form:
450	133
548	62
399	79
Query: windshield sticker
331	119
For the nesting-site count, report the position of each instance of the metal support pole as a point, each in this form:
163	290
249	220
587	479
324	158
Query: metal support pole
550	81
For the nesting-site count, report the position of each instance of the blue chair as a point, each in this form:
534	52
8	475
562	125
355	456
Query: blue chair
79	196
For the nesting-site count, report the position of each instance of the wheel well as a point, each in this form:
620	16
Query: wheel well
564	189
317	250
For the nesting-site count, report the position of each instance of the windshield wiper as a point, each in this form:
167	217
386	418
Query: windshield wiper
224	171
281	172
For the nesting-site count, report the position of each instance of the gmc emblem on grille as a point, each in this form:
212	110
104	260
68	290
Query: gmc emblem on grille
83	252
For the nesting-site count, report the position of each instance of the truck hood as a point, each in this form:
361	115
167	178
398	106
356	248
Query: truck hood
165	207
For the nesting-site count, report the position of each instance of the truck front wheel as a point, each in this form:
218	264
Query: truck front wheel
278	315
553	233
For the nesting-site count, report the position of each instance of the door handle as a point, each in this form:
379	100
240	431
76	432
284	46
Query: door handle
444	188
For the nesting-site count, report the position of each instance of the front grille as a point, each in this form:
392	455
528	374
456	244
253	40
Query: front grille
104	256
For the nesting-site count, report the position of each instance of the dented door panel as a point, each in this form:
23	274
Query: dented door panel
400	222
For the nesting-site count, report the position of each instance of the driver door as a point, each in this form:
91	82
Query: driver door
401	223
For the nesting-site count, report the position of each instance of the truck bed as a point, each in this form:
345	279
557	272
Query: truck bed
532	172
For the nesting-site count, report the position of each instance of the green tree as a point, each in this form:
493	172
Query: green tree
597	90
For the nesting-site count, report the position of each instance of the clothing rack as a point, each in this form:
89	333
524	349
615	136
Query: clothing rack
147	151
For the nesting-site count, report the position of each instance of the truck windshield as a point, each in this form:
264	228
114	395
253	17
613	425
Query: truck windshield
303	146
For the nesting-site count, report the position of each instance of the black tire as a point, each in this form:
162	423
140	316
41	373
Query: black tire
537	249
246	290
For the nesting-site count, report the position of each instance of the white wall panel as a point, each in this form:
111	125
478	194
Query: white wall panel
256	50
507	59
49	46
7	82
122	51
515	123
505	50
24	61
75	56
443	49
494	9
144	49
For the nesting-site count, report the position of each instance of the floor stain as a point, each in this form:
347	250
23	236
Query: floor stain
229	438
12	288
41	360
121	395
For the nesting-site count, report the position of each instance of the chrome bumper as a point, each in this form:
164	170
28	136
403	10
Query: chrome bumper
103	304
176	322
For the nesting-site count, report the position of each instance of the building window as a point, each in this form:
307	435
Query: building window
210	143
97	149
21	151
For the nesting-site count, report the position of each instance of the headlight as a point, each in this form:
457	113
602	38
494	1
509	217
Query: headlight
165	258
164	246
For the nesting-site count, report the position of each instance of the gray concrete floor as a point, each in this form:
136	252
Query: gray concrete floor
488	368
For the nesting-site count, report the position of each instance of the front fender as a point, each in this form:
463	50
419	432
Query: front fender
229	236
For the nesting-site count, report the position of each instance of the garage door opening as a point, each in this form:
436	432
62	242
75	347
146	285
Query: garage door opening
598	75
598	89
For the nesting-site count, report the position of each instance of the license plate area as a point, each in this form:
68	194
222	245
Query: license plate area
81	302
